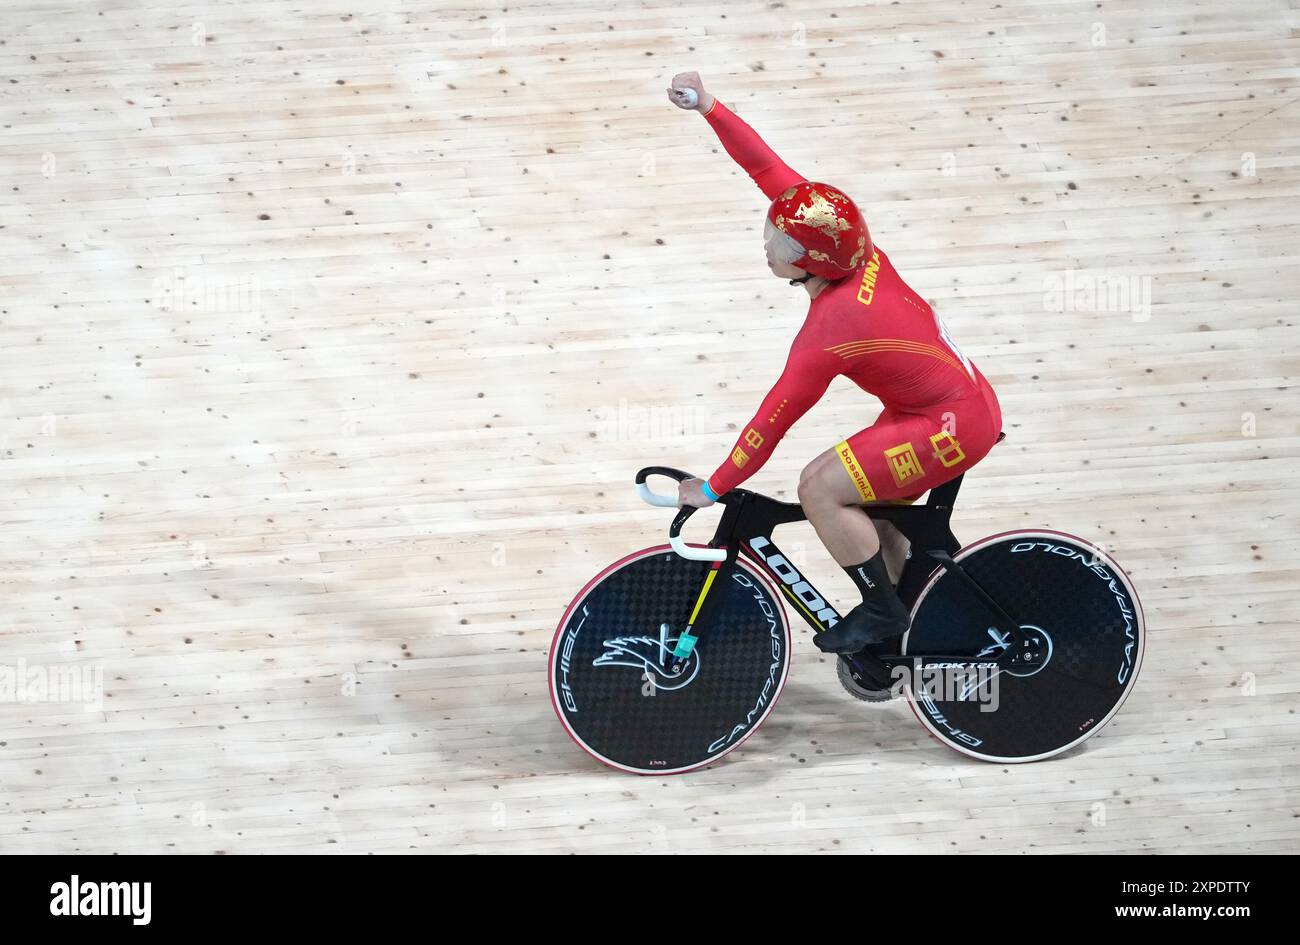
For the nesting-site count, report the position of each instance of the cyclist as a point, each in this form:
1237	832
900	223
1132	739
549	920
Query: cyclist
940	415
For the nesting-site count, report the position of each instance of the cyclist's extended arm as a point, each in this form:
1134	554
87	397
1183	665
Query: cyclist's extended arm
742	142
772	175
806	376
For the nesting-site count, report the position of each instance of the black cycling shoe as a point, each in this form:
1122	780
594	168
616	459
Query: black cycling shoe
864	625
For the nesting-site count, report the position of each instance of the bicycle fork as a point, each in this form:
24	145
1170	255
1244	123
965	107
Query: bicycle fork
705	603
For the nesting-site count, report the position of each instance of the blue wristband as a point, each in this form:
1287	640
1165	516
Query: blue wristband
708	493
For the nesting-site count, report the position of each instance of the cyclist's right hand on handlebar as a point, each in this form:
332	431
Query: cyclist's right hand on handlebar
689	80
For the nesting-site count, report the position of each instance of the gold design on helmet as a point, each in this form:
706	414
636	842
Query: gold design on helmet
789	193
853	262
862	251
823	216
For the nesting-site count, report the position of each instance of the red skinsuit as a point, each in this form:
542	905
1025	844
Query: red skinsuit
940	417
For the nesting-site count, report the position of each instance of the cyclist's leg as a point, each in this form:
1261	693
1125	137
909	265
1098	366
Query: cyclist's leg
833	504
834	507
895	459
833	490
835	486
894	544
903	455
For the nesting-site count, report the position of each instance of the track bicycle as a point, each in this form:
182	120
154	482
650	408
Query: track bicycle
1021	645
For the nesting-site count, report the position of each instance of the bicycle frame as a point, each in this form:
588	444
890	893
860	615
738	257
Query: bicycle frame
748	520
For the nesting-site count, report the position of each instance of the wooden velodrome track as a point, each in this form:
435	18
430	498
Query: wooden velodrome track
333	335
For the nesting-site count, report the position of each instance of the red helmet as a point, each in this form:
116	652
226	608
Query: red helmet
827	224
